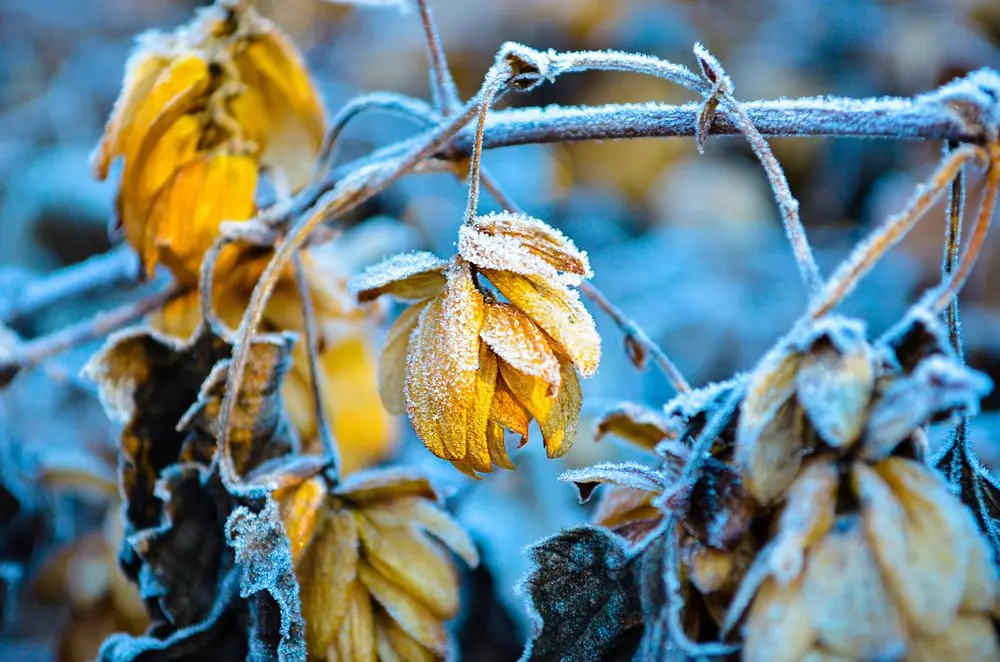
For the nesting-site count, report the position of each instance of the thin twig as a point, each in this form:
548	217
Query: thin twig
33	352
390	102
634	332
323	428
443	91
949	260
115	267
206	288
866	255
787	203
493	85
942	297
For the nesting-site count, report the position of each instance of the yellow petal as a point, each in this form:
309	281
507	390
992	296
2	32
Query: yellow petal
807	516
325	574
186	77
969	639
300	507
557	415
520	244
850	609
558	311
778	628
394	645
496	444
430	518
416	275
406	557
186	217
916	529
392	363
412	616
142	69
478	455
356	639
443	363
507	412
377	485
516	340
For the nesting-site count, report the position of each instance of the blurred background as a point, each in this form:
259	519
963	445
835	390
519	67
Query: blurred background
688	245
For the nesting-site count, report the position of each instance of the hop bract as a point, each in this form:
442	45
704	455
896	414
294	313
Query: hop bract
375	585
201	111
494	341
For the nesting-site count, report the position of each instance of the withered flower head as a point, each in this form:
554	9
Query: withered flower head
465	364
201	110
831	389
374	584
881	563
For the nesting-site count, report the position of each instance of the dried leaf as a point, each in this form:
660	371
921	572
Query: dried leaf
416	275
625	474
583	593
635	423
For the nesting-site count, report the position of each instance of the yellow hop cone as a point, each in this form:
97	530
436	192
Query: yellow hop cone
371	557
890	565
365	433
218	98
465	365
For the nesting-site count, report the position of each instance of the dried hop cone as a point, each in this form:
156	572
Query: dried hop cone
495	339
374	584
872	556
201	110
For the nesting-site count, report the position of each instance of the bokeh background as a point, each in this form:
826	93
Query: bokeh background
689	245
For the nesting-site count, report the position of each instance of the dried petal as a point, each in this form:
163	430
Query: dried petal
478	455
357	635
778	628
379	485
969	639
392	363
558	415
834	388
522	245
807	516
507	412
621	505
300	509
849	607
407	558
557	310
416	275
413	617
443	364
917	529
431	519
516	340
394	645
635	423
326	573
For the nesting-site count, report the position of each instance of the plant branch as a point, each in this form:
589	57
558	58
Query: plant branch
115	267
444	94
866	255
787	204
29	354
323	429
634	333
949	260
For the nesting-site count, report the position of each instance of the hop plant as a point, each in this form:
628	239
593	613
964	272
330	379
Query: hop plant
374	584
495	340
201	111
